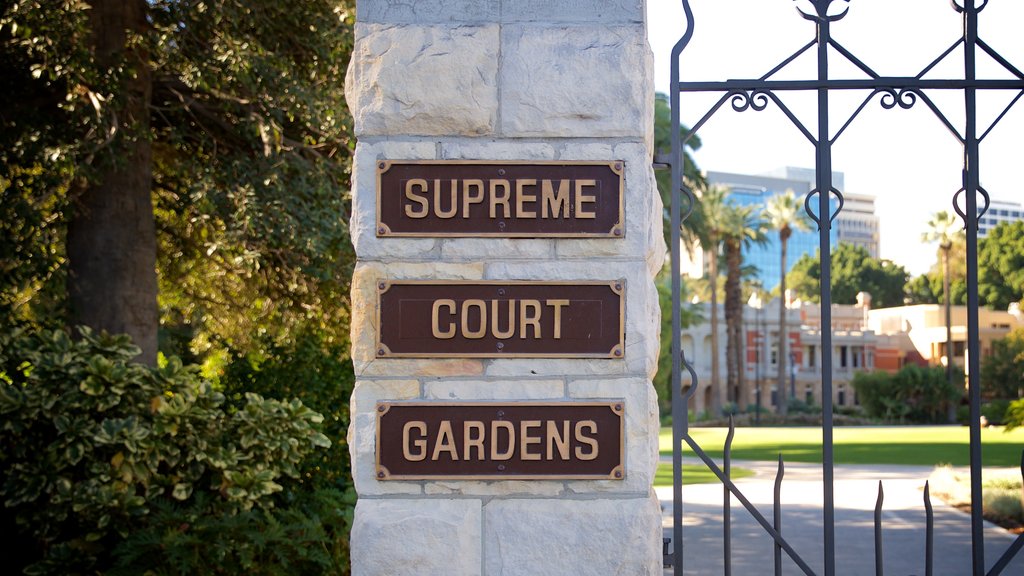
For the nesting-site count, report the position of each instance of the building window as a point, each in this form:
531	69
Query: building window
809	395
958	348
842	357
842	395
812	357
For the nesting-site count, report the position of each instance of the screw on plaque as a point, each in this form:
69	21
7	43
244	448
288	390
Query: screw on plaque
381	352
617	231
382	165
381	230
618	352
501	413
382	285
618	407
618	286
381	408
380	474
618	474
501	225
618	165
501	291
501	171
500	345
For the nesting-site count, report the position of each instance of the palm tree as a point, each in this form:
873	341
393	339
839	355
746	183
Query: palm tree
713	211
782	212
741	228
943	228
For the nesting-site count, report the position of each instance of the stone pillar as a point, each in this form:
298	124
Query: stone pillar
516	80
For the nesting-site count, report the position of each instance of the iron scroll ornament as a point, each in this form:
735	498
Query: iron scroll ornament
896	93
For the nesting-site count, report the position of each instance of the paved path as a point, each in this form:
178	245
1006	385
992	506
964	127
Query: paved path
856	489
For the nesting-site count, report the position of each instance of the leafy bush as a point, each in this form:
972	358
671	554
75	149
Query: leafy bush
995	411
913	394
1014	416
92	445
317	373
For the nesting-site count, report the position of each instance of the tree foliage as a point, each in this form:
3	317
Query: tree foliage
853	271
91	443
250	144
1001	265
1002	372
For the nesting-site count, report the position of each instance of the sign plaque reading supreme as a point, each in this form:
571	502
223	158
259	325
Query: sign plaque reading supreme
480	198
500	319
487	441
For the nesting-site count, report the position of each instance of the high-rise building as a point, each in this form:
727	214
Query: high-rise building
999	211
857	224
749	190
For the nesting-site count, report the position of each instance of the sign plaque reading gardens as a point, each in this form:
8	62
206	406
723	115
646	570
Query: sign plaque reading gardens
481	198
489	441
499	319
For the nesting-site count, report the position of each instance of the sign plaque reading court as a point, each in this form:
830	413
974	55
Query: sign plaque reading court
481	198
490	441
500	319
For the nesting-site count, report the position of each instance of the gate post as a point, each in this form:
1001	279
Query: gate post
528	83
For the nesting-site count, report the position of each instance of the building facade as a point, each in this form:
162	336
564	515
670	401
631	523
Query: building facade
857	224
999	211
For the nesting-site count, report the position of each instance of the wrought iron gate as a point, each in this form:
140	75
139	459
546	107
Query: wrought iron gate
903	92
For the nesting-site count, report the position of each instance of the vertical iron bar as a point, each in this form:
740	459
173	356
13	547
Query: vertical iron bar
878	531
823	168
971	183
777	510
727	500
929	531
679	408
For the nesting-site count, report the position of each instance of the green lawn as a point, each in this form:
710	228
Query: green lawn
695	474
923	445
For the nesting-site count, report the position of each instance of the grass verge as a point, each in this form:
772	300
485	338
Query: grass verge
1001	494
911	445
695	474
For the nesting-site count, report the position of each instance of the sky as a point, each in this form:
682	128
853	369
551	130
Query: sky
907	159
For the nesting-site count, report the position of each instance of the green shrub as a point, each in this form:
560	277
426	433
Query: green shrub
1014	416
913	394
91	444
995	411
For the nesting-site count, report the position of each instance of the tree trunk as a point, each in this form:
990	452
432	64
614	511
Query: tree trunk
951	412
716	392
733	320
783	337
111	242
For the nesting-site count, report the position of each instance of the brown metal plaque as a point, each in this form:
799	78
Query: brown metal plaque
481	198
488	441
500	319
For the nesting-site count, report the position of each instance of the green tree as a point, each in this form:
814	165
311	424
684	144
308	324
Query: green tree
714	213
783	213
1001	265
202	148
853	271
741	228
942	228
1002	373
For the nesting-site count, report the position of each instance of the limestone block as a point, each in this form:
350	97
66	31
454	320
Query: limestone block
519	389
476	249
544	537
363	223
643	315
364	319
603	11
477	149
504	368
536	488
416	537
362	434
641	430
643	238
423	80
576	81
427	11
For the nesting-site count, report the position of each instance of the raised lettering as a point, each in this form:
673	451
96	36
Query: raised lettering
468	199
557	305
498	333
454	209
482	327
526	319
500	200
411	196
592	442
469	440
556	440
511	446
554	204
522	197
582	199
435	319
418	443
445	441
526	440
